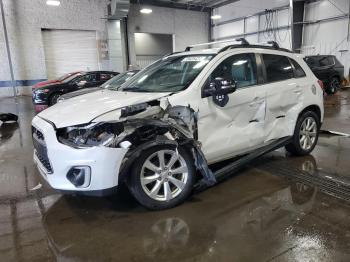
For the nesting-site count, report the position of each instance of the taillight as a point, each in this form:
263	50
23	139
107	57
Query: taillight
320	83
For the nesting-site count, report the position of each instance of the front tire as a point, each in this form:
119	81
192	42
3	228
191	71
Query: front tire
53	98
162	177
305	134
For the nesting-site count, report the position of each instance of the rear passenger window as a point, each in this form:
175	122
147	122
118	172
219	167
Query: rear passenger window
299	72
278	68
240	68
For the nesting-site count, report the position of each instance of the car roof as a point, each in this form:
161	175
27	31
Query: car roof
89	72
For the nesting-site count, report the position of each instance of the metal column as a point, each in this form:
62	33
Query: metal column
291	23
13	82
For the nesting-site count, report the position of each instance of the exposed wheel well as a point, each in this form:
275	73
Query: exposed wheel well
313	108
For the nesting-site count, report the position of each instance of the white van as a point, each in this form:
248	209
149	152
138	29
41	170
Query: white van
160	130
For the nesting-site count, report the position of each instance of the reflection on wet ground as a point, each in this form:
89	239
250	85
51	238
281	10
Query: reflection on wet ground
279	208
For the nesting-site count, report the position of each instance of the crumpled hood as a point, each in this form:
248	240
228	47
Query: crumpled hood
83	109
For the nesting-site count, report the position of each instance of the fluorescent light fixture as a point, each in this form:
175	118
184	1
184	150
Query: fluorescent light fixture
146	11
53	2
215	17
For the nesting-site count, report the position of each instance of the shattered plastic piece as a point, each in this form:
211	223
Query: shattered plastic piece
125	144
336	133
164	103
38	186
202	165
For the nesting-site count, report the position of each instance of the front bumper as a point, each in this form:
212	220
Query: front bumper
104	162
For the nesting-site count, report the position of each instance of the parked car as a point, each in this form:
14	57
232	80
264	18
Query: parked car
328	69
160	131
47	95
114	82
60	79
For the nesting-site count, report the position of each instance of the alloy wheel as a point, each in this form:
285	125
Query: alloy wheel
164	175
307	134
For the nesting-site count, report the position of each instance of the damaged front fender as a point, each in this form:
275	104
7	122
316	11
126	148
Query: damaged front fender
171	125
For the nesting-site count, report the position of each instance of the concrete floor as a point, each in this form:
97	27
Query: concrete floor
277	209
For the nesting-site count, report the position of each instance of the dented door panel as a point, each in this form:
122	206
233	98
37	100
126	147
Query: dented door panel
284	101
235	128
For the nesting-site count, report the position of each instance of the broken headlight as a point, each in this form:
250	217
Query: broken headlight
94	134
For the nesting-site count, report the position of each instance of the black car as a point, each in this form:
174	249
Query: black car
47	95
328	69
114	82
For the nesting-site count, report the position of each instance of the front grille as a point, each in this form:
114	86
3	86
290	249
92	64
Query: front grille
41	150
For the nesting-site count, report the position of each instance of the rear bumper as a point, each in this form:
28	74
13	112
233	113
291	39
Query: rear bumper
103	162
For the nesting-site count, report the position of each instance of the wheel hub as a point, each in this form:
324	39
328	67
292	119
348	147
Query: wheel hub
308	132
164	175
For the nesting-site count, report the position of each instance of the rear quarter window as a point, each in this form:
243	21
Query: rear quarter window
278	68
298	70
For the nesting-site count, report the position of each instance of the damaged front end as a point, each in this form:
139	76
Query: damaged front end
140	127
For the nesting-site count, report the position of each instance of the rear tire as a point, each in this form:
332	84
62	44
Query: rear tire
305	134
161	178
333	86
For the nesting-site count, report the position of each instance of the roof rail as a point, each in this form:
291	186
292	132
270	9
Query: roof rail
242	40
271	45
274	44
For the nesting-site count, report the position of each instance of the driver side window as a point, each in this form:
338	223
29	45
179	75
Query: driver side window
239	68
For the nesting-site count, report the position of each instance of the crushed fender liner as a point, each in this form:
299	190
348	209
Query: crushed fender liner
150	124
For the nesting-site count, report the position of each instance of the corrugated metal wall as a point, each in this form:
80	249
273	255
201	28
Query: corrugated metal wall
239	19
330	37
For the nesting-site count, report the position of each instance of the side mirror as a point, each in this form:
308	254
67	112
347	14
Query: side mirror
81	83
219	86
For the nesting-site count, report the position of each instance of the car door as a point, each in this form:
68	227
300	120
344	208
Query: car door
233	124
284	96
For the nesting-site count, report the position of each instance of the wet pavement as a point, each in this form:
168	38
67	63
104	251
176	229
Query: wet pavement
278	208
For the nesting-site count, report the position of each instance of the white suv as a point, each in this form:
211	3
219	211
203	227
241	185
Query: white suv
160	130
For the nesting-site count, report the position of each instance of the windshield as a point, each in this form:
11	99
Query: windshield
170	74
118	80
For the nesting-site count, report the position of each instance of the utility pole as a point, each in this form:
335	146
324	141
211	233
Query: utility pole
13	82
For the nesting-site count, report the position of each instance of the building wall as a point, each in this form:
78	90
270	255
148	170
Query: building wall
188	27
327	37
252	27
26	18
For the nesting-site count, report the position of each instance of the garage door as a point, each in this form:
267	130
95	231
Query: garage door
68	51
